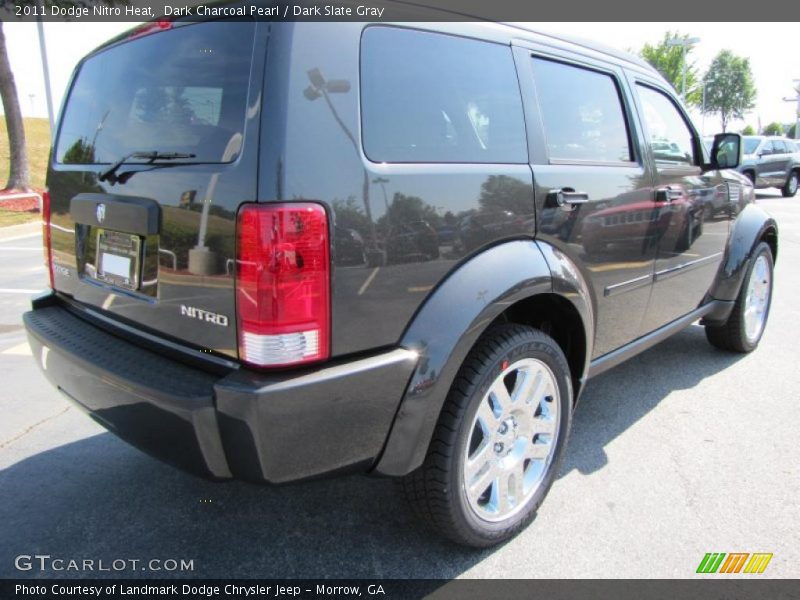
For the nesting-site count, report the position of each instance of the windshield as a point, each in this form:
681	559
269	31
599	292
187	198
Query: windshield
750	145
182	90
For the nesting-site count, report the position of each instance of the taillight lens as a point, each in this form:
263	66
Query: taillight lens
283	284
48	245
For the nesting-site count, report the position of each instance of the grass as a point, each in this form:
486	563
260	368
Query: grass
8	217
37	136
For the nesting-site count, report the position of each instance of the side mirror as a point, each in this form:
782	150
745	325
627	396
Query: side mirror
726	152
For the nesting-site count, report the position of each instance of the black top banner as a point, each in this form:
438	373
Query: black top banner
389	10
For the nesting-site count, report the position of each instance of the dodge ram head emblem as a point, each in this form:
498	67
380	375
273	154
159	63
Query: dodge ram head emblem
100	213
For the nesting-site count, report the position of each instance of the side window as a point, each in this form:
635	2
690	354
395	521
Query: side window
767	149
671	139
780	146
582	113
428	97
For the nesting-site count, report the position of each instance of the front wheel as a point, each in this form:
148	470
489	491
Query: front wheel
790	187
499	440
743	330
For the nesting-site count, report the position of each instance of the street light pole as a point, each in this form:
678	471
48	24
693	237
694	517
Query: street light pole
797	114
46	73
684	43
382	181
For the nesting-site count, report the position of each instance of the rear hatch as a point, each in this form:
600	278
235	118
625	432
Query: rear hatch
153	242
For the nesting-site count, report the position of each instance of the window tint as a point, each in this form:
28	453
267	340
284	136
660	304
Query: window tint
436	98
670	138
768	148
780	146
183	90
582	113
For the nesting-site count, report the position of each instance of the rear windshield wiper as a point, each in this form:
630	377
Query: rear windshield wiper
110	174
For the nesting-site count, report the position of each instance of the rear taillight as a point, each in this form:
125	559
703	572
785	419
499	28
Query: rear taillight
283	284
48	246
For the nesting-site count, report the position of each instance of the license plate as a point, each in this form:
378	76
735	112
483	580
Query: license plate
118	258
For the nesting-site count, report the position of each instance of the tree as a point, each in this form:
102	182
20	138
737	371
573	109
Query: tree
349	215
19	176
19	173
501	192
409	209
730	88
792	131
773	129
748	130
668	60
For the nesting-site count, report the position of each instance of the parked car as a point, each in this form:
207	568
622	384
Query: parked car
349	247
459	377
412	242
772	162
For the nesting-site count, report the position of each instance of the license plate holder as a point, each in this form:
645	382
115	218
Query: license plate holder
118	261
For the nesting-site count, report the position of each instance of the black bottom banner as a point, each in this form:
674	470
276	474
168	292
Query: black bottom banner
459	589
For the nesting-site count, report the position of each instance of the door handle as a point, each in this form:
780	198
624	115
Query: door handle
668	194
568	199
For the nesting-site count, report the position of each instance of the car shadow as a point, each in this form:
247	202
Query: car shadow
617	399
97	498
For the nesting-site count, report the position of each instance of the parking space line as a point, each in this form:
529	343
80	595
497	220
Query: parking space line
21	237
365	285
19	291
22	349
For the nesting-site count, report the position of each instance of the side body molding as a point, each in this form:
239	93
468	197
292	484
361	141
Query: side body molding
750	226
443	332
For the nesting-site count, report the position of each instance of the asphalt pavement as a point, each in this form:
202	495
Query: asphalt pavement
681	451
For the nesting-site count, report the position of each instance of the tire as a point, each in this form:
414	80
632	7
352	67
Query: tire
789	188
511	356
735	335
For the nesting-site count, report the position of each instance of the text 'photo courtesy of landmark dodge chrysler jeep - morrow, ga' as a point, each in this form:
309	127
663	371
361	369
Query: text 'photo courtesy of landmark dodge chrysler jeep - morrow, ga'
406	257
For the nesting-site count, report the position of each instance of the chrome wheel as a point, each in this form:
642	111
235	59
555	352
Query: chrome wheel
792	186
512	441
757	299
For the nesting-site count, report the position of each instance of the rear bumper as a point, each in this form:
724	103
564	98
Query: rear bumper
262	427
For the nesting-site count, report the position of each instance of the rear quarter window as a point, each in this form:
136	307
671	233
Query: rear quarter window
429	97
183	90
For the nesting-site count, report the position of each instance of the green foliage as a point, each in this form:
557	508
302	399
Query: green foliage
773	129
792	131
668	60
500	193
748	130
409	209
80	153
730	88
350	215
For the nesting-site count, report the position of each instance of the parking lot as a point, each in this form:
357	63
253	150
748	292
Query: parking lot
681	451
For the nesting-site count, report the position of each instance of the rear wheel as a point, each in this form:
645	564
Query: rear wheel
743	330
790	187
499	440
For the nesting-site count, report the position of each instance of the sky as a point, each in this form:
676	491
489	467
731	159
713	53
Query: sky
773	49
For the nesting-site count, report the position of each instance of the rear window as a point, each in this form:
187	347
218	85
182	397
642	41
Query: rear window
183	90
437	98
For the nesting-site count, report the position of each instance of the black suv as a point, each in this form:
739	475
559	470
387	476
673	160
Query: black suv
284	250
